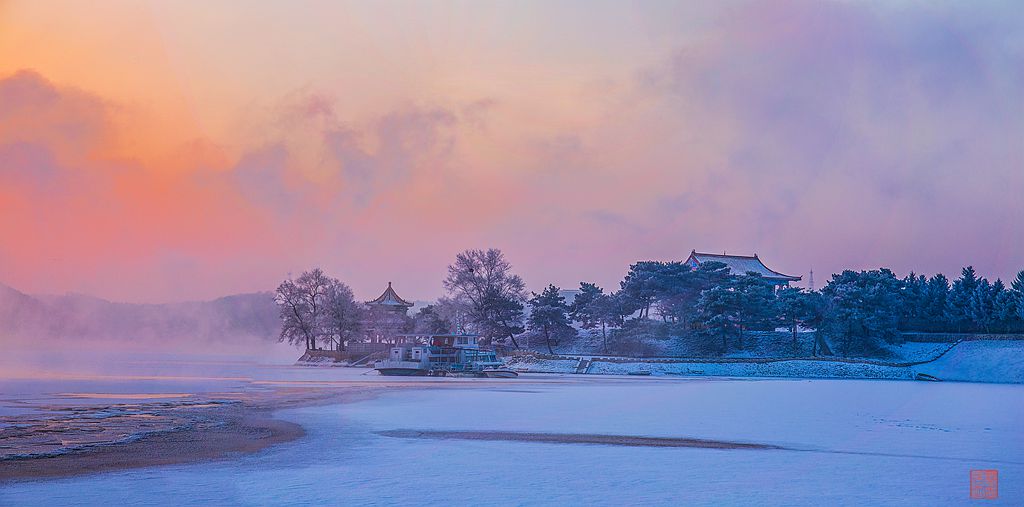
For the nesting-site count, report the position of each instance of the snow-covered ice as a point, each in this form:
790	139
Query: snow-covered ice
849	442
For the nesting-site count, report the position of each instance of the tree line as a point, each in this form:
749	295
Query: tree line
856	311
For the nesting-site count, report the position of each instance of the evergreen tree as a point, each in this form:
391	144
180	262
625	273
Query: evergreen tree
755	304
958	303
640	287
718	313
549	316
430	321
707	276
610	313
914	291
981	306
860	308
795	307
934	313
588	309
1004	308
1017	287
675	291
498	314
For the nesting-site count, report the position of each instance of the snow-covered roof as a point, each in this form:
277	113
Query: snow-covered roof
740	264
390	298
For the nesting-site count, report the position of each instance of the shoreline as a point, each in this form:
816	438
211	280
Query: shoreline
219	432
228	431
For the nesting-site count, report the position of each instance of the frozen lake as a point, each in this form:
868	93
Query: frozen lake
839	442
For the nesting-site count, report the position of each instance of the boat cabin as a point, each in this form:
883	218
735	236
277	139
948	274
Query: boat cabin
461	341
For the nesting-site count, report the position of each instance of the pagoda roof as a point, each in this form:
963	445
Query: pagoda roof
390	298
740	265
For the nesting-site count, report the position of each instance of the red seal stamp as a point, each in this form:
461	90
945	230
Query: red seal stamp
984	484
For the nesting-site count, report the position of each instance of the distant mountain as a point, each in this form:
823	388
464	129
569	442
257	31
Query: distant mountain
72	317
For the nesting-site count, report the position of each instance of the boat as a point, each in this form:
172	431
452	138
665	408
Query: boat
444	355
499	373
639	372
927	378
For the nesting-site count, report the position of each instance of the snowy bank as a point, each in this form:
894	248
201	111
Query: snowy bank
999	361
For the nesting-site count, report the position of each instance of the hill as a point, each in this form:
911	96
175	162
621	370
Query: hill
76	317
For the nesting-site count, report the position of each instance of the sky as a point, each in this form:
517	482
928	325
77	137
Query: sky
155	151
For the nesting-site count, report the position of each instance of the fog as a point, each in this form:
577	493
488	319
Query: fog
73	334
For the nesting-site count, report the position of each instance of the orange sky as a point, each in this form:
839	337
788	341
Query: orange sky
156	151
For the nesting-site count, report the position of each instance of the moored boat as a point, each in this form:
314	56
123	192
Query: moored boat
455	355
499	373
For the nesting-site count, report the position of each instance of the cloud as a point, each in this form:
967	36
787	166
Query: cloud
819	134
826	116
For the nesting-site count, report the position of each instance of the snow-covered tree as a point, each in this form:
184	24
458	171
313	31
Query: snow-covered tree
302	303
717	313
1017	287
549	316
796	307
495	295
593	308
584	308
959	300
343	316
860	308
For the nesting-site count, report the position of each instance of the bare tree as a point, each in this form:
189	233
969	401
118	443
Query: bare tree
302	303
495	294
343	316
296	326
455	310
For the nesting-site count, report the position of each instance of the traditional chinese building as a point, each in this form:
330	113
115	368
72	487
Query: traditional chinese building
742	264
387	317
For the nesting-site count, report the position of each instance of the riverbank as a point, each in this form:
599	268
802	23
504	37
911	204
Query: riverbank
237	430
79	433
73	429
990	361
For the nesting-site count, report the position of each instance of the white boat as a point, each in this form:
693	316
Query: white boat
455	355
499	373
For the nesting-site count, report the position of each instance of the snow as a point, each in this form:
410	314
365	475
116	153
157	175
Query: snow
999	361
980	361
850	442
759	344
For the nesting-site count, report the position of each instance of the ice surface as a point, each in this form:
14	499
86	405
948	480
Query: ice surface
857	443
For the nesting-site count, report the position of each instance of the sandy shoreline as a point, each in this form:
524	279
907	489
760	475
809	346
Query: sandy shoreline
227	431
220	430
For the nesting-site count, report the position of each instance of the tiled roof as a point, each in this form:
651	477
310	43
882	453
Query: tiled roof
741	264
390	298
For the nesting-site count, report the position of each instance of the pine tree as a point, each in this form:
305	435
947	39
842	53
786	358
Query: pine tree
913	309
587	309
756	300
609	311
936	294
959	301
860	308
549	316
718	313
795	307
1017	287
640	287
1005	308
981	306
